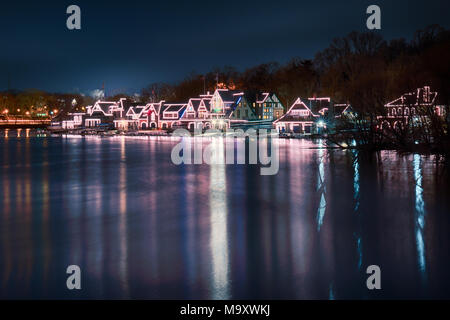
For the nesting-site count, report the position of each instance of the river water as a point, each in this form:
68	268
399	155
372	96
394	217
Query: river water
140	226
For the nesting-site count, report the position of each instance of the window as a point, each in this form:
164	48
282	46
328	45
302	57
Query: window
170	115
300	113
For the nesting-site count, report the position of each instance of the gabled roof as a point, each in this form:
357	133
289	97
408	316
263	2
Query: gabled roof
205	102
130	111
128	108
138	109
274	96
228	96
195	103
106	107
157	106
298	104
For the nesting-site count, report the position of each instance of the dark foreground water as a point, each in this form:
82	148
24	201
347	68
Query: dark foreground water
141	227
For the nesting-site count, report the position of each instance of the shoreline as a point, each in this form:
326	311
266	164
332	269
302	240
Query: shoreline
45	132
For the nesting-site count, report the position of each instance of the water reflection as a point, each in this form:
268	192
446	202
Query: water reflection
123	228
356	200
218	220
420	214
6	257
141	227
321	186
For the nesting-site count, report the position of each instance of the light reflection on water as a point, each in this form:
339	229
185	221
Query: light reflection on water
141	227
356	199
420	214
218	208
321	186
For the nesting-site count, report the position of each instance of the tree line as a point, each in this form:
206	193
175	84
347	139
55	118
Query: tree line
362	69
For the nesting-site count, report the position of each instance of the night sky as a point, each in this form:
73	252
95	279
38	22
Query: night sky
130	44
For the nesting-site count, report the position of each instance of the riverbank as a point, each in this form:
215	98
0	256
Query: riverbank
23	124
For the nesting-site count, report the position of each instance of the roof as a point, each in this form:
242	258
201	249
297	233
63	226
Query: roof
206	102
195	102
129	107
318	104
228	95
340	108
174	107
179	108
298	104
105	106
262	97
422	96
156	106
